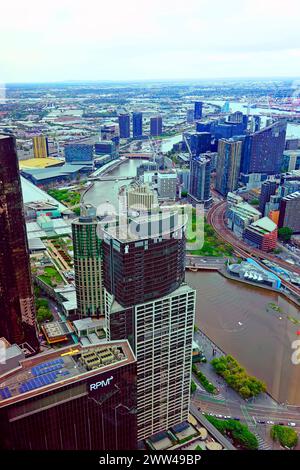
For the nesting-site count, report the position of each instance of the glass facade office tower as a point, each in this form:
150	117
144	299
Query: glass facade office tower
155	267
79	153
17	309
198	110
268	189
156	126
88	266
148	302
200	176
124	126
228	165
86	402
137	125
40	146
200	142
263	150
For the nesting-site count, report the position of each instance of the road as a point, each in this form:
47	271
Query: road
212	430
205	261
216	405
215	217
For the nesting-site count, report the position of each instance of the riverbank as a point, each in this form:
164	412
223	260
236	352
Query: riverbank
236	317
108	167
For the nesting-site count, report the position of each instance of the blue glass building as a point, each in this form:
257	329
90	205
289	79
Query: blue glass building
124	126
137	125
262	151
78	153
198	110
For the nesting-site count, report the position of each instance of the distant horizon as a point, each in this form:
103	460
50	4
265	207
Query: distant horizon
149	80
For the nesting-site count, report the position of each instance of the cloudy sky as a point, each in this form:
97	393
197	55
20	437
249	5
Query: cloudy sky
55	40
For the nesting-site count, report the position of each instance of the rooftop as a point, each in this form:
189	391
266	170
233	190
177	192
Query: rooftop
88	322
50	370
40	163
245	209
32	193
265	224
159	224
54	172
290	197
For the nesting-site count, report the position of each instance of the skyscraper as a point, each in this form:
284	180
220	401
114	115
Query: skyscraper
204	126
141	198
198	110
124	126
190	116
228	165
200	142
88	266
200	176
268	189
156	126
148	302
40	146
263	150
137	125
17	316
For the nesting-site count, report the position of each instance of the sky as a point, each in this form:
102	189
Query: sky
58	40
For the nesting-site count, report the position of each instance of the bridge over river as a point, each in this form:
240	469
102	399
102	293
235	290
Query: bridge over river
110	178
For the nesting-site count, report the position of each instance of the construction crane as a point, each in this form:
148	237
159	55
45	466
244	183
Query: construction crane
187	145
153	149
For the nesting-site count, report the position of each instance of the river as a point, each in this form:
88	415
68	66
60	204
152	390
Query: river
239	319
261	342
293	130
107	191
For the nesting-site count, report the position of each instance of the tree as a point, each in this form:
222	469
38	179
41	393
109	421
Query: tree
238	431
193	386
40	302
285	233
245	392
237	378
254	202
286	436
43	314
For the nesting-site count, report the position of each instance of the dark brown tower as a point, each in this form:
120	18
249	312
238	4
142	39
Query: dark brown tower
17	311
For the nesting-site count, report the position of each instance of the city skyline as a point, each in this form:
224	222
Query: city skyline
159	227
78	44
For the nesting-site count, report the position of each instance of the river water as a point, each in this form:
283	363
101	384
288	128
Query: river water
240	320
107	191
237	317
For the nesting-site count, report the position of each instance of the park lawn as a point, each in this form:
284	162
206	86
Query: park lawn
69	197
51	276
213	245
